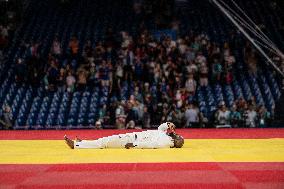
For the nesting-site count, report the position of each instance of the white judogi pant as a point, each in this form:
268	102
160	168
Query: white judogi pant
114	141
144	139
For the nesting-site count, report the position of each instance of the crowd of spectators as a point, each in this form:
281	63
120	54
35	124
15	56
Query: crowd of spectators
162	75
243	114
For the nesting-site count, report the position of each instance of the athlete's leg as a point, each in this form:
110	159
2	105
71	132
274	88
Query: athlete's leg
95	144
114	141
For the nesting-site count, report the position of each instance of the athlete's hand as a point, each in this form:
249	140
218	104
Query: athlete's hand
171	128
129	145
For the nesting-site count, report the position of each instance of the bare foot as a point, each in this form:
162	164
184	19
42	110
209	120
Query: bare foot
69	142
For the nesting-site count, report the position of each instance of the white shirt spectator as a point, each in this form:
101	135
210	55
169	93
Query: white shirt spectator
251	118
223	117
191	115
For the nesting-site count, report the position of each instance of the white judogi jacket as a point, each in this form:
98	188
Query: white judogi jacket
145	139
163	127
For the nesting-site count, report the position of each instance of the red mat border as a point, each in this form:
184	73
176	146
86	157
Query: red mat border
258	175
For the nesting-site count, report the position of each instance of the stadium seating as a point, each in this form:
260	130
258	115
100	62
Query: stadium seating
34	108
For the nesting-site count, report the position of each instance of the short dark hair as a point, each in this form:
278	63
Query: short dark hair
178	141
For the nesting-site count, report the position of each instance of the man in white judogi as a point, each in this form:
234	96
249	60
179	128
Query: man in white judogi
164	137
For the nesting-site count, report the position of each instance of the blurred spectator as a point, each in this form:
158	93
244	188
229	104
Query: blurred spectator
229	61
56	48
190	56
138	96
94	76
250	59
130	124
52	75
146	118
128	62
88	52
82	80
216	70
250	117
264	117
20	70
228	77
98	125
132	116
235	117
119	74
104	74
70	82
165	112
120	116
190	85
241	105
6	120
103	115
3	43
192	116
4	31
33	50
138	69
61	80
175	116
251	102
191	67
203	81
222	116
200	59
179	100
3	37
74	46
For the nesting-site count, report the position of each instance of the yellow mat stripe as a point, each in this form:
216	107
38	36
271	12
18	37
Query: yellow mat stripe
195	150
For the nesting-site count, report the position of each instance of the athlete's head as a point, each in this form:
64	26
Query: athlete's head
178	141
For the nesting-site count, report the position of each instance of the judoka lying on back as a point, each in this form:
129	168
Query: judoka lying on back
163	137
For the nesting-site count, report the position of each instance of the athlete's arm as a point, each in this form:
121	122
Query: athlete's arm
167	127
159	142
